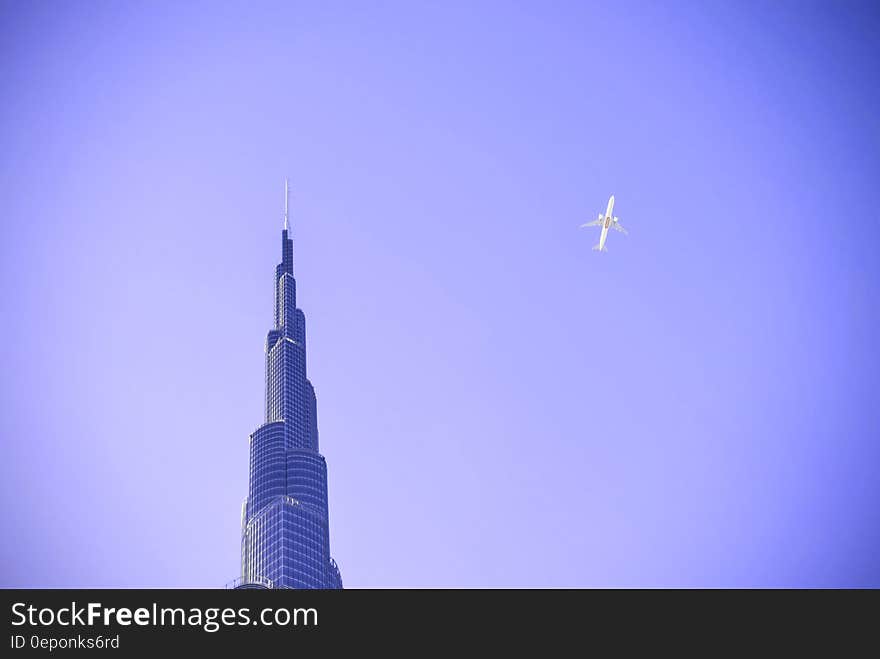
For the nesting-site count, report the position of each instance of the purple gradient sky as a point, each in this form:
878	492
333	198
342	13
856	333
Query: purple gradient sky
498	405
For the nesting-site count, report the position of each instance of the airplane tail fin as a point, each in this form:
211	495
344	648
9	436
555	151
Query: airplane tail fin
596	248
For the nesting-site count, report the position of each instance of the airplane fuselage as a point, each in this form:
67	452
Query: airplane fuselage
607	223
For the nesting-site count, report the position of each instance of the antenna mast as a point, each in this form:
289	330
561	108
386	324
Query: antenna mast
286	202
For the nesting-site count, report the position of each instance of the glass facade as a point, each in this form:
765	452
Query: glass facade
285	536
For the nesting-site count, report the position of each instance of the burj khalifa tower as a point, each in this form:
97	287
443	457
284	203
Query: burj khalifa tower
285	536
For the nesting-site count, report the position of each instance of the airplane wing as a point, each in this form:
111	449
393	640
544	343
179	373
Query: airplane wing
595	223
617	226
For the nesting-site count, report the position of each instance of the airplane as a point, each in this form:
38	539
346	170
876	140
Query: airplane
607	222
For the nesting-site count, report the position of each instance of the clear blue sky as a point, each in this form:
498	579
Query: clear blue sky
498	405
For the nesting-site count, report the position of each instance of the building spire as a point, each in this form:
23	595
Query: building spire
286	202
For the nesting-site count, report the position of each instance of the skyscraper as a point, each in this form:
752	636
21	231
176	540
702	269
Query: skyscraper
285	536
